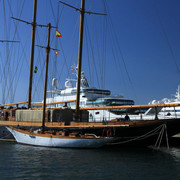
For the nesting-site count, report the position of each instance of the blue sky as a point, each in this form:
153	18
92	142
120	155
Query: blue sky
143	36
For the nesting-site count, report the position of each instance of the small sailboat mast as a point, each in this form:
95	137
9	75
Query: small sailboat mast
32	53
82	11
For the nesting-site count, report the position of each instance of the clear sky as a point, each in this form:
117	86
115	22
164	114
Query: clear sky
134	50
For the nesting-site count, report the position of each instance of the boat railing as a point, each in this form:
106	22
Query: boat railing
132	117
107	115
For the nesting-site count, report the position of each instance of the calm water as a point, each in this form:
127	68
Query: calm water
27	162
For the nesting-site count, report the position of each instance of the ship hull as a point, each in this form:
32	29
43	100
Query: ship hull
138	133
49	140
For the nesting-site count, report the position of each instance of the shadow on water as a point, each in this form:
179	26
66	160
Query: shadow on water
28	162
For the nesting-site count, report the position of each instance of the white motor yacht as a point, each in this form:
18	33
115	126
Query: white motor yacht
169	111
89	97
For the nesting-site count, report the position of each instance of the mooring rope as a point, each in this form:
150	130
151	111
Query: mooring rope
144	136
159	139
5	136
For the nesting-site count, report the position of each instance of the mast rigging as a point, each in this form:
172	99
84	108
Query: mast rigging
82	12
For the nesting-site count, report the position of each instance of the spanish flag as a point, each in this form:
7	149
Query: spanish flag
58	34
57	52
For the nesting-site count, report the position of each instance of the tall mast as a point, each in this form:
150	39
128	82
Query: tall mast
46	77
32	53
80	59
82	11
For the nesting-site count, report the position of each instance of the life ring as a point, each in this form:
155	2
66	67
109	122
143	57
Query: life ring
108	133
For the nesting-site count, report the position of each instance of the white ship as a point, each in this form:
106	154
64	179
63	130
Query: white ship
89	97
169	111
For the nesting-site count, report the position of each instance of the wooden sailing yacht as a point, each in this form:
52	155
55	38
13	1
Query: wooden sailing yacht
59	138
80	134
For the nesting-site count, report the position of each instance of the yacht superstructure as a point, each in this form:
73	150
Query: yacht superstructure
89	97
169	111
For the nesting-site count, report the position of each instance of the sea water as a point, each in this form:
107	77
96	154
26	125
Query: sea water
29	162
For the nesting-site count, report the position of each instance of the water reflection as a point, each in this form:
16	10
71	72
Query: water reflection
28	162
